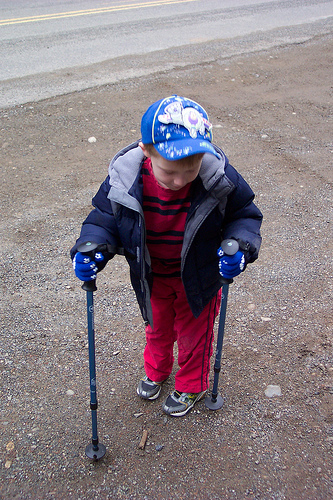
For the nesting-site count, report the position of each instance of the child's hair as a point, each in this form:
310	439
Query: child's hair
187	160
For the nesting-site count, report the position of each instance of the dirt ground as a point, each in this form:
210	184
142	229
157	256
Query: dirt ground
272	113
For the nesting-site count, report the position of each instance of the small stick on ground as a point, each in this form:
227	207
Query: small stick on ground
143	441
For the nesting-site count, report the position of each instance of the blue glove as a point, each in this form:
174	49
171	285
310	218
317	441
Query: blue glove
231	265
85	268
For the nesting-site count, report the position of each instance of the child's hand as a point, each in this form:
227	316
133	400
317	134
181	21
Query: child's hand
85	268
231	265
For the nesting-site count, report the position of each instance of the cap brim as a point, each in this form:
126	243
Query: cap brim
176	150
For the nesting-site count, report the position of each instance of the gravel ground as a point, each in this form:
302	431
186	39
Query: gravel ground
272	112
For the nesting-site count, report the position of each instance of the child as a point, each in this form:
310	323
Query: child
167	203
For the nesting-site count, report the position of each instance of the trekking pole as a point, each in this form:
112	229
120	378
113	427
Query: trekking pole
215	401
95	450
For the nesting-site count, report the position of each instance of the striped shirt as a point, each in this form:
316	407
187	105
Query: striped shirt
165	214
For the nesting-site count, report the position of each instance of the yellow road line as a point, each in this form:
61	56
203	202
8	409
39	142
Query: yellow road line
102	10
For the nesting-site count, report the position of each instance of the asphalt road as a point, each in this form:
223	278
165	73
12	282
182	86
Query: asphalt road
51	49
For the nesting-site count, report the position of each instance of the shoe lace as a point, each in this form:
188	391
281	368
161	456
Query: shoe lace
187	397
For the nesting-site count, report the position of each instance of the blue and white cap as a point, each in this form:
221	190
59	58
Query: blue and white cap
177	127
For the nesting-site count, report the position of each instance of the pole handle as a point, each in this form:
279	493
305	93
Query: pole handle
89	286
88	248
229	247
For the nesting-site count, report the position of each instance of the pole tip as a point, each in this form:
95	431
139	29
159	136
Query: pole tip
95	454
213	404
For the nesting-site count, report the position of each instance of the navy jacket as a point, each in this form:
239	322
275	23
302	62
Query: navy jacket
221	207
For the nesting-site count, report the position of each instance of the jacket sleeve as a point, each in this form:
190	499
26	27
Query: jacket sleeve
100	226
242	217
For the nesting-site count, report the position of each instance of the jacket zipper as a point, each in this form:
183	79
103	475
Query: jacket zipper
198	226
141	261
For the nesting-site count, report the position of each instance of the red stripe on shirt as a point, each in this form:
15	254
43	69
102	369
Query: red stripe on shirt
165	213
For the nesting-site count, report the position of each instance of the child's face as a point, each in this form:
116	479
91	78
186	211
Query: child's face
175	174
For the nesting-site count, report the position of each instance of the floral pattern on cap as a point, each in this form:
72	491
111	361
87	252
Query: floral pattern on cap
188	117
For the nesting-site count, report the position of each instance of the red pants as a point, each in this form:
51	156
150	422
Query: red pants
174	321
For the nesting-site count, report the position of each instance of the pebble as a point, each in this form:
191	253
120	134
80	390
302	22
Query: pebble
273	390
70	392
10	446
92	139
159	447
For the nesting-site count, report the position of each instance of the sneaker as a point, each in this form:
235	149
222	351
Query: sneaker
179	403
147	389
